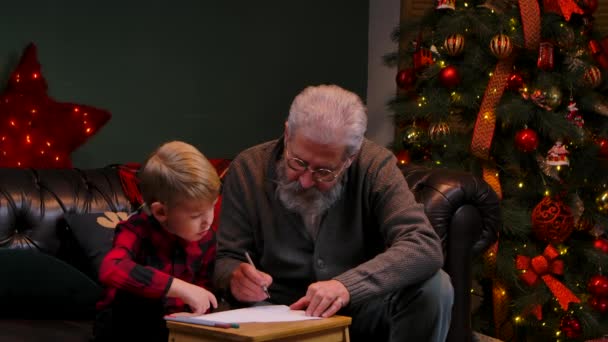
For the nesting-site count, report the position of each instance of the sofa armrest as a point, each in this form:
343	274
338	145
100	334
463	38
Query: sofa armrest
443	192
465	212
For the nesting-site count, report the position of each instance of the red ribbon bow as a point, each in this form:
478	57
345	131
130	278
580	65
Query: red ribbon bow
541	267
564	8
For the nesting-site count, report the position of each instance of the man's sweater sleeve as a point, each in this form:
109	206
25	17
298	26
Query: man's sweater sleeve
234	232
413	252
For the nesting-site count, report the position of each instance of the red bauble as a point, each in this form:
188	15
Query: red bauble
403	157
603	144
35	130
406	78
515	81
598	286
589	6
570	326
526	140
599	304
601	245
552	221
449	77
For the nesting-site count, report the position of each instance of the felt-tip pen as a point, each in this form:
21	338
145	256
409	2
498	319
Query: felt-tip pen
252	264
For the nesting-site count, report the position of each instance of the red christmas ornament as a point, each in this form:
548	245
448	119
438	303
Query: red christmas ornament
515	81
454	44
406	78
552	221
449	77
598	286
545	56
403	157
599	304
571	327
35	130
501	46
422	57
601	245
603	144
526	140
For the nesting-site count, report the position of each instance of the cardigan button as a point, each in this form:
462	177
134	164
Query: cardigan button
320	263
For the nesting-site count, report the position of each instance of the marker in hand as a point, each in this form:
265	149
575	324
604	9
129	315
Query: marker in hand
251	263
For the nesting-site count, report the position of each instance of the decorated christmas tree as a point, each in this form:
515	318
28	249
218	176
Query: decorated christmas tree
517	92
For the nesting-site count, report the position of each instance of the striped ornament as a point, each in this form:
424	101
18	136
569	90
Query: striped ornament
454	44
501	46
593	77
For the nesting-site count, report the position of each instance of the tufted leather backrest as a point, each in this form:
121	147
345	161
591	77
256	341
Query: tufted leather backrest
32	202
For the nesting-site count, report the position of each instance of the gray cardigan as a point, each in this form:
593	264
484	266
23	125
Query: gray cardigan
375	239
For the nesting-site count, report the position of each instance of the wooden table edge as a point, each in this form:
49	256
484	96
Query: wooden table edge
262	328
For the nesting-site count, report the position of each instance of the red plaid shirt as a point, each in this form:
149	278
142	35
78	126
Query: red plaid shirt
145	258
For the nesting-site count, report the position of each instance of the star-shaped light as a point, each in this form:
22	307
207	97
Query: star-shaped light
35	130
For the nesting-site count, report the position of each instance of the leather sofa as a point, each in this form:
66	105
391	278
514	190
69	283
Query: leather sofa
39	303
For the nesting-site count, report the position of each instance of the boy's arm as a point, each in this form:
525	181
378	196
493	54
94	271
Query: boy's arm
118	268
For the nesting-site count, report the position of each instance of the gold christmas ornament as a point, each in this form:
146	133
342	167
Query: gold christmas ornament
454	44
602	202
501	46
439	130
600	108
592	77
548	99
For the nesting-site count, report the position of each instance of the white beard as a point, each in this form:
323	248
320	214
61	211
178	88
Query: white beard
309	202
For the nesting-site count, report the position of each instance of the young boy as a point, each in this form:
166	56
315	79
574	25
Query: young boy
162	257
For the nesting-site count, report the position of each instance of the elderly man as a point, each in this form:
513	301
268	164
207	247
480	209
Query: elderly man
332	227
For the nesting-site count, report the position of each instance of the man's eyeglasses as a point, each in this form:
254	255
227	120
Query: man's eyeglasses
318	175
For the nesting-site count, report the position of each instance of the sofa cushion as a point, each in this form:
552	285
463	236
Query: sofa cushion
94	233
37	285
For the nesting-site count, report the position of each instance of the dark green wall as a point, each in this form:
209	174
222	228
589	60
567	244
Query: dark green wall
217	74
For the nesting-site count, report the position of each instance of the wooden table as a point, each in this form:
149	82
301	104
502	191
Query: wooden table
333	329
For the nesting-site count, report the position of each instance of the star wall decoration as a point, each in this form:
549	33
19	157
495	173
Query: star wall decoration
35	130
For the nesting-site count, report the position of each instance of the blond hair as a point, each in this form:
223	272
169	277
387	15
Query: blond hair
178	171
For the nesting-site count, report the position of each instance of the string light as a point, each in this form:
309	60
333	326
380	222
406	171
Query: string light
520	185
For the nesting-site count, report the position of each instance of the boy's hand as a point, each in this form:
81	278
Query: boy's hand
247	284
196	297
323	299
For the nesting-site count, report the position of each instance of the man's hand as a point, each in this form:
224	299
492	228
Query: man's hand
196	297
323	299
247	283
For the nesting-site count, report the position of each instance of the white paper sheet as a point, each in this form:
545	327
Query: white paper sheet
266	313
